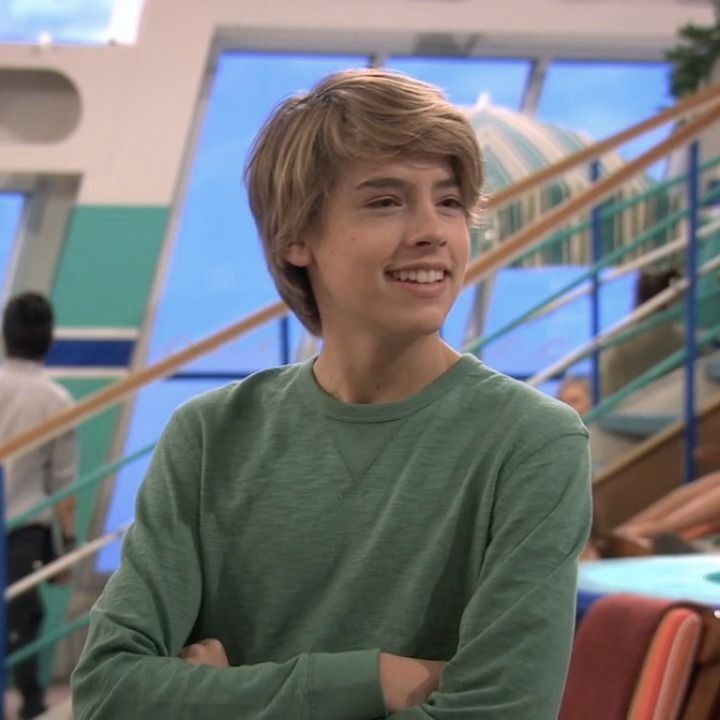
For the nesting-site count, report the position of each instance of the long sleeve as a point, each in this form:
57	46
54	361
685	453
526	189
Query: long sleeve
148	612
516	631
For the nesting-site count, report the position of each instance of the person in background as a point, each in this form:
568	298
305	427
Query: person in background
622	363
575	392
28	397
389	529
685	520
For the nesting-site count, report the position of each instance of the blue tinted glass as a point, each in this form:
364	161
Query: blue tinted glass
80	21
153	407
456	325
464	80
535	345
11	205
576	96
217	273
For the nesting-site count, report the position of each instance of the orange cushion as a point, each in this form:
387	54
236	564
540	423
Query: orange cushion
608	655
664	678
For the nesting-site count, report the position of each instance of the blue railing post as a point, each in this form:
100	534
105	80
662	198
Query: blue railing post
285	340
691	310
595	257
3	583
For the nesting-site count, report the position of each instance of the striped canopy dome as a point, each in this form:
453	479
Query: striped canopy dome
516	145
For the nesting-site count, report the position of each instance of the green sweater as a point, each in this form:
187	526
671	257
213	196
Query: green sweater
309	535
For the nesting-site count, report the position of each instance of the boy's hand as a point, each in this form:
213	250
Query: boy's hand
407	682
206	652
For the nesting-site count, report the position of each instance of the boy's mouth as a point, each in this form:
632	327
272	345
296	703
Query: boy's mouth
421	277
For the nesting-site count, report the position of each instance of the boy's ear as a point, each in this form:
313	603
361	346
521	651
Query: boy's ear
298	253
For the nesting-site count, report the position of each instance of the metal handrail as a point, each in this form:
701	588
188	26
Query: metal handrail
609	259
602	340
83	483
585	155
515	244
499	256
662	368
63	563
609	212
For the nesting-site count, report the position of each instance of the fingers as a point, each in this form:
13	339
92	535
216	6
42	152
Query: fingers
190	651
407	682
205	652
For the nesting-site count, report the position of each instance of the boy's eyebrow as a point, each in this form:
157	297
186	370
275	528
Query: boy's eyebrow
380	183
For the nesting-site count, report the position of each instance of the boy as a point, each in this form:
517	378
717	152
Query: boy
388	529
27	397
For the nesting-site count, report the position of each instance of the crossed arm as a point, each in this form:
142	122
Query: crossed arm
405	682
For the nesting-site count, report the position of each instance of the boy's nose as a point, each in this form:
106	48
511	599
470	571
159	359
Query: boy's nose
426	227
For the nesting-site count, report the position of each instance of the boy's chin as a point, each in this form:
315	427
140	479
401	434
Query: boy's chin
417	328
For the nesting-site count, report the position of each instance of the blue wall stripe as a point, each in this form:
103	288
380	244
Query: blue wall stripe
93	353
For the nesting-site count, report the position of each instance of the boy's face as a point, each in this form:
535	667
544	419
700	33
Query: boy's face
390	251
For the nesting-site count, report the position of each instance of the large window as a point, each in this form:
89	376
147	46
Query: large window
217	273
466	80
11	205
602	98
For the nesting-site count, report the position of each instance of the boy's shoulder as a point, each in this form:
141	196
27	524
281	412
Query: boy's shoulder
516	404
262	390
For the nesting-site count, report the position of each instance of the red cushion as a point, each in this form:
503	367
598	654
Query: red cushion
608	656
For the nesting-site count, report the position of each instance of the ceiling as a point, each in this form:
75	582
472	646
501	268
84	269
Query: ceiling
597	29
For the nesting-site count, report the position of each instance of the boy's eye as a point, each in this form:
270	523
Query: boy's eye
452	201
383	202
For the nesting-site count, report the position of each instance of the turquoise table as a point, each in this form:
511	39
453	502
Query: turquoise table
676	577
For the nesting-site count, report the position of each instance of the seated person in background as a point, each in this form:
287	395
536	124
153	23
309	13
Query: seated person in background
685	520
622	363
28	397
575	392
689	512
388	529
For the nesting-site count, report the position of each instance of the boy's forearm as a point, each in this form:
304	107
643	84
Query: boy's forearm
522	612
407	682
119	678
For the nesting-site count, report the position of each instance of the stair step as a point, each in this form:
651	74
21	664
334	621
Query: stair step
713	369
635	425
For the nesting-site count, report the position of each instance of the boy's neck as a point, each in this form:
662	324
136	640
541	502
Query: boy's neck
381	374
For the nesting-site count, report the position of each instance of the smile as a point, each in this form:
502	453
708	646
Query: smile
418	276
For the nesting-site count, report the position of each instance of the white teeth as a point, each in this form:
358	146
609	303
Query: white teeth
418	276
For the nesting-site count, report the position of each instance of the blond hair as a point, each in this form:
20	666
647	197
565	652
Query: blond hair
352	115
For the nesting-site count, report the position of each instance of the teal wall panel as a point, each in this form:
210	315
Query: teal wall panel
95	437
108	264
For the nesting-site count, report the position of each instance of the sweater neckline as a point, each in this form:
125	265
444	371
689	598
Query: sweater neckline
382	412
